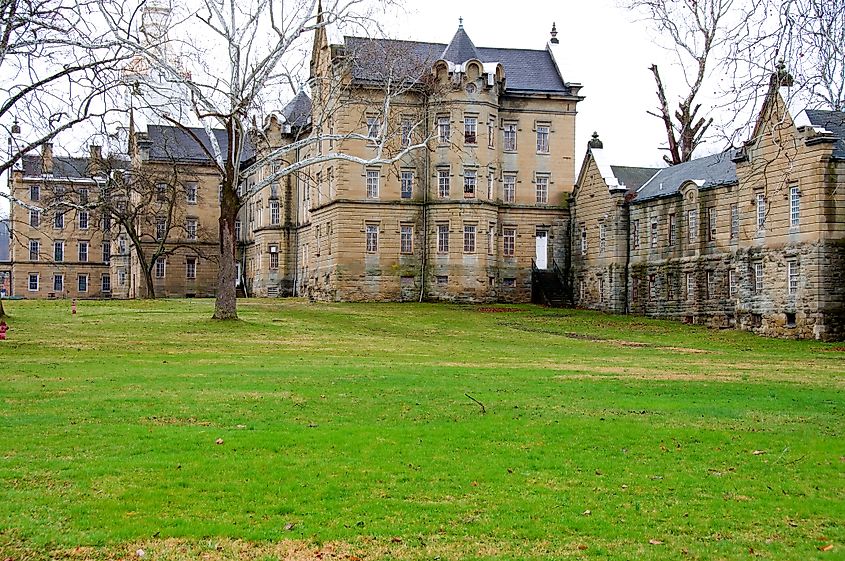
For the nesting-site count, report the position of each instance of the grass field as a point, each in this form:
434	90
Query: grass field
340	431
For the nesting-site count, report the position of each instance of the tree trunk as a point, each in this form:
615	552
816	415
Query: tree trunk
225	305
2	311
148	280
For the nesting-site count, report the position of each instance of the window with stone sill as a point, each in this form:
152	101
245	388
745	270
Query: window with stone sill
160	267
543	139
372	238
407	184
443	183
34	250
469	238
406	239
509	137
443	130
471	130
508	241
509	188
470	184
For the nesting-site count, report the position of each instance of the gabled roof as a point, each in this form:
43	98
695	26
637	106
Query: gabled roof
707	172
461	48
63	167
633	177
297	112
175	144
834	122
526	70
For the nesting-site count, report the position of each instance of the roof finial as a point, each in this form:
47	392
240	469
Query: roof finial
460	23
554	40
595	142
16	128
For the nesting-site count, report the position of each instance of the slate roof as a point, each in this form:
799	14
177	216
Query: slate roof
298	110
175	144
526	70
708	172
4	240
834	121
633	177
460	48
70	168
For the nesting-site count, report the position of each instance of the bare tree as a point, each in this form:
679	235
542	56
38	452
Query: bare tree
698	32
58	69
256	44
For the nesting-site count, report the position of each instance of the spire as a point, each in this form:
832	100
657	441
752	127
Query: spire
461	48
554	40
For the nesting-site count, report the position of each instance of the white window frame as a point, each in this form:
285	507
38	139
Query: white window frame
442	238
372	184
794	205
406	190
793	276
191	189
58	282
654	234
690	286
759	277
734	221
58	251
34	250
471	130
509	187
29	284
470	231
761	211
543	134
406	239
602	238
692	225
191	228
584	241
161	268
541	183
83	251
444	129
509	131
470	183
275	212
712	220
105	283
732	286
34	218
371	238
443	183
82	282
509	241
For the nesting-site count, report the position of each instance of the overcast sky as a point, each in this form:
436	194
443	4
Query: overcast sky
606	48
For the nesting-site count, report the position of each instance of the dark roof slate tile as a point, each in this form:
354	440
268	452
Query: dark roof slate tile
709	171
834	121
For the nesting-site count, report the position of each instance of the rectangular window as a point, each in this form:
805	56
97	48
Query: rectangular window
490	185
635	289
673	226
106	251
692	225
237	230
443	130
58	251
33	282
491	238
121	276
82	283
191	228
732	287
407	127
406	238
107	222
583	238
601	288
758	277
34	218
372	128
191	193
161	191
83	196
509	188
372	238
652	287
491	135
711	220
793	273
34	250
407	179
635	234
469	184
469	238
441	279
161	228
508	241
734	221
690	286
59	220
274	256
372	184
83	219
442	238
275	216
83	252
470	130
543	139
654	234
761	210
509	144
542	189
34	192
161	267
105	282
443	183
794	205
602	239
58	283
670	288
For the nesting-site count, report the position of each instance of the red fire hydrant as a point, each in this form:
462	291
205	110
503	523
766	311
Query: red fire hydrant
3	329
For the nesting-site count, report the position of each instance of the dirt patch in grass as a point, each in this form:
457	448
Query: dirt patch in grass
493	310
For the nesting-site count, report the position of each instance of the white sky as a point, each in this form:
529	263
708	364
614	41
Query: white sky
606	48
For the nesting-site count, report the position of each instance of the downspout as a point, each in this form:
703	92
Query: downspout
426	182
296	234
626	212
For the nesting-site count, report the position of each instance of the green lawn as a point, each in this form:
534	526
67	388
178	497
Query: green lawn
346	434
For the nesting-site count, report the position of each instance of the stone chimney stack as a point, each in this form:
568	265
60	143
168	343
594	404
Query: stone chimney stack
95	159
554	40
47	157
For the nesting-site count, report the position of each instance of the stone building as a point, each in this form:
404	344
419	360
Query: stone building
464	217
62	250
751	238
4	240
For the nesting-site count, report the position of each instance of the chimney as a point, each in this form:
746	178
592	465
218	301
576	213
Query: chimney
47	157
554	40
95	160
96	152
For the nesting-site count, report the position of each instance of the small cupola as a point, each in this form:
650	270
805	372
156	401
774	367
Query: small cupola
554	39
461	48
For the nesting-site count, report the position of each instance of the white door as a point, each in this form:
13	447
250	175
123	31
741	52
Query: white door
542	244
237	274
